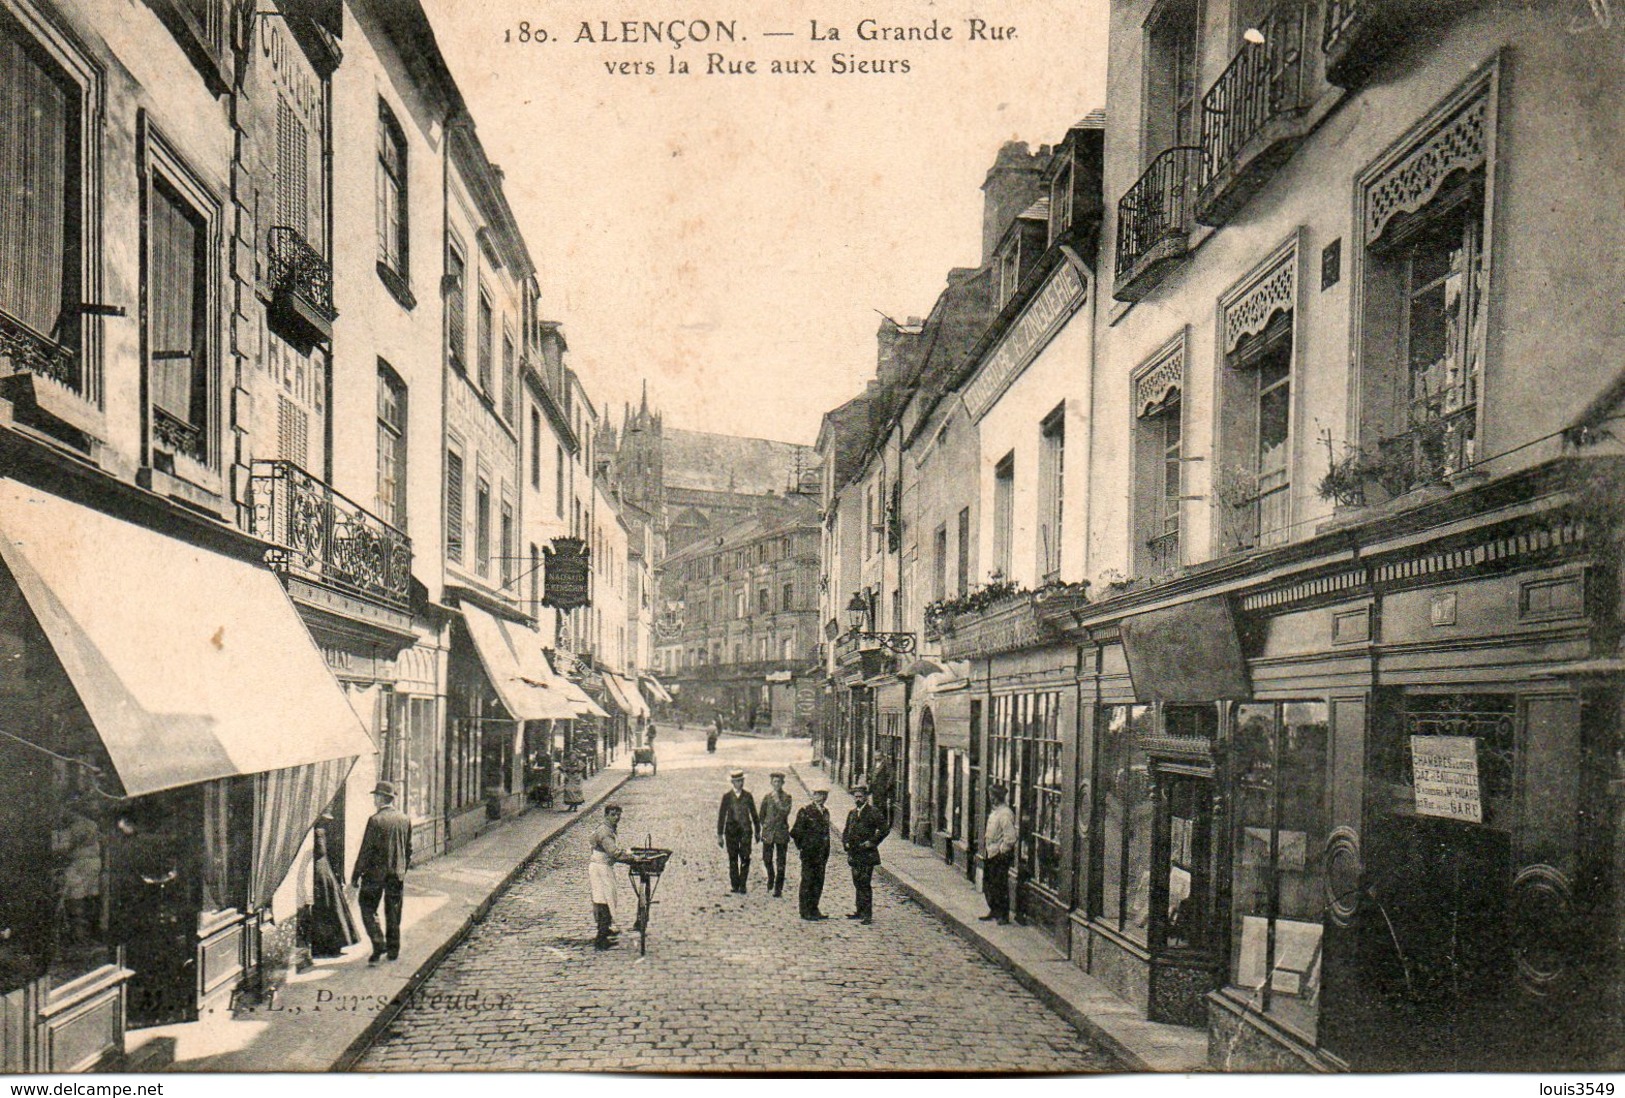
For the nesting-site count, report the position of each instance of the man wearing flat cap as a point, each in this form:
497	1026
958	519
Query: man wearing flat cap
606	851
737	828
865	831
380	870
774	815
811	834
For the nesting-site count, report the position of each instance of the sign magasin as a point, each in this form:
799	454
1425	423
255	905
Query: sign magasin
1445	770
568	574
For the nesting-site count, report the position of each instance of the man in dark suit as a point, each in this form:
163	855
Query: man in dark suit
380	870
865	831
737	829
811	836
773	820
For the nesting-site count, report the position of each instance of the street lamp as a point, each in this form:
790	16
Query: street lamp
859	613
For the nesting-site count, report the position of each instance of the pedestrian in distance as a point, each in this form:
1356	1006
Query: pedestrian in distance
865	831
811	835
713	734
737	828
575	771
998	845
606	851
774	815
380	871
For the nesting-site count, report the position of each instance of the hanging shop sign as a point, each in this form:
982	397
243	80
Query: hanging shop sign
568	574
1445	769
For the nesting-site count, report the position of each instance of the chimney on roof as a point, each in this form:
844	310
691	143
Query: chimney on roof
1013	183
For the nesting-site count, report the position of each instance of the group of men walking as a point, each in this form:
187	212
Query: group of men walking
741	824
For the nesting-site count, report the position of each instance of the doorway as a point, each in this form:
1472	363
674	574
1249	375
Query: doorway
156	893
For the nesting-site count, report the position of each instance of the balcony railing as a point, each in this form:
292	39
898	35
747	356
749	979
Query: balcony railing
1162	555
1243	136
1154	218
1343	19
302	280
29	352
325	538
1358	35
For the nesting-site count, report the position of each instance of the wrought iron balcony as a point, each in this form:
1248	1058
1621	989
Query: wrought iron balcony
1154	220
1252	116
1358	35
301	281
1435	449
29	352
325	538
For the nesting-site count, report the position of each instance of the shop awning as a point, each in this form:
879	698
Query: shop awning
192	665
1186	654
499	652
584	706
615	691
634	697
657	690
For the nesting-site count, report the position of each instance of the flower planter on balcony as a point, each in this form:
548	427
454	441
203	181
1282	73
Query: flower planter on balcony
1007	625
1254	116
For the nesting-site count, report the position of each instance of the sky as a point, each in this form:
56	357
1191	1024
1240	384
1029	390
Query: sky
733	238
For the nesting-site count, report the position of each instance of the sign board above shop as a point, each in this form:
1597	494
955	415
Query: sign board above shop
1445	770
1186	654
1062	293
568	576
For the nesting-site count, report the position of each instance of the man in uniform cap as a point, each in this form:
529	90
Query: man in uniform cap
774	815
811	834
737	828
380	870
865	831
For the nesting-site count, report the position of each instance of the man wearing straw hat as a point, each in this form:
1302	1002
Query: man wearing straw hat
380	870
606	851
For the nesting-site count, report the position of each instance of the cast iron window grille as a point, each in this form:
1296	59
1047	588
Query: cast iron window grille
326	538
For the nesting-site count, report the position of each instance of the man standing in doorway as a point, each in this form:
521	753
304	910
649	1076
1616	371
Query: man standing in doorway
865	831
380	870
737	828
811	834
998	844
775	821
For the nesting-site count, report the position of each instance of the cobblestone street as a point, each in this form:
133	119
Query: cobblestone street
730	983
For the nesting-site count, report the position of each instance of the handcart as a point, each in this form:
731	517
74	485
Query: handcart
644	865
644	756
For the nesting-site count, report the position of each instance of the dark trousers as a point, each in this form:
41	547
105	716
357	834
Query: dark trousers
996	884
392	890
600	914
773	858
738	859
812	883
863	885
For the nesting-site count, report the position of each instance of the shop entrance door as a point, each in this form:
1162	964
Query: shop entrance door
1434	956
156	901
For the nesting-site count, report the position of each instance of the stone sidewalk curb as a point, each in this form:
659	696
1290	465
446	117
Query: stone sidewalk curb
382	1019
1120	1038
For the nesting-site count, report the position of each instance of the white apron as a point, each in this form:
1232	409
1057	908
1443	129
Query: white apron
601	879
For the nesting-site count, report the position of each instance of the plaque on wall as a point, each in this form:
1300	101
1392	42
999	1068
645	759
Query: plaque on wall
567	579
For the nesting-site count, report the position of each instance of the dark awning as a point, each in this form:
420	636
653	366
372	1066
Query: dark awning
192	666
1186	654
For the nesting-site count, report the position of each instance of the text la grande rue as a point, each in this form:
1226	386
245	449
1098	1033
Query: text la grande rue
873	30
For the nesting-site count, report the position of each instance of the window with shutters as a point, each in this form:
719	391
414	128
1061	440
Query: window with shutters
1004	513
505	570
391	447
292	432
510	379
482	526
178	372
486	322
292	171
1051	497
41	131
454	506
558	481
456	306
962	562
392	209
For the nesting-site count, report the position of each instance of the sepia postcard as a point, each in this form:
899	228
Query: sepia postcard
939	537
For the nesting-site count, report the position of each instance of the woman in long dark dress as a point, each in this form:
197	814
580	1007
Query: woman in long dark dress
332	928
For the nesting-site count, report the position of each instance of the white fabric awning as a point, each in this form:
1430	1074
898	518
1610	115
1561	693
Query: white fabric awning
585	706
524	697
192	665
657	689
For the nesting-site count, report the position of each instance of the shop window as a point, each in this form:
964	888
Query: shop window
1281	753
1488	720
1040	789
391	447
1123	808
41	116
